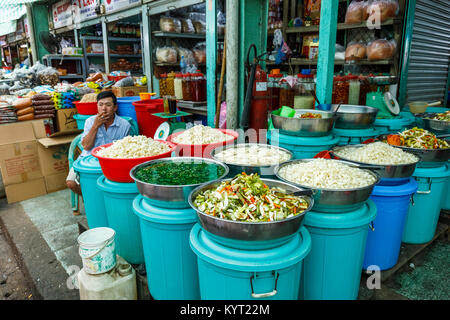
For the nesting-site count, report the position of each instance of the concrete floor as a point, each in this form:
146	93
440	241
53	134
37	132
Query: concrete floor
45	232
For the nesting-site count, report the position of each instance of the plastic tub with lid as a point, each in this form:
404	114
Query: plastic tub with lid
89	169
118	199
355	136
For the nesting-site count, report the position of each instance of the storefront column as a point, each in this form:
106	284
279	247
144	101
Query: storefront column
327	43
105	45
147	48
211	59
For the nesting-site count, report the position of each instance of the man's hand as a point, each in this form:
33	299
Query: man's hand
101	119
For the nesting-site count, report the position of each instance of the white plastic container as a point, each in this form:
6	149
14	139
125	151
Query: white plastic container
116	284
97	250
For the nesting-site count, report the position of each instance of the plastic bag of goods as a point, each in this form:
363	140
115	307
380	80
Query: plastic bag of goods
48	76
355	51
382	10
381	49
199	22
356	12
187	54
200	52
187	26
166	54
169	24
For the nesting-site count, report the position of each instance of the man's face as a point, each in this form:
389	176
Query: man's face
106	106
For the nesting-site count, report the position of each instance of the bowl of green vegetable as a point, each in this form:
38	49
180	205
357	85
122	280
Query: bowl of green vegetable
167	182
249	208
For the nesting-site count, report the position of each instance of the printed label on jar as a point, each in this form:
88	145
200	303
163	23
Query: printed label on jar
261	86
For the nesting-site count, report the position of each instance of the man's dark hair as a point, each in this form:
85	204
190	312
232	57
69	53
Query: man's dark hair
107	94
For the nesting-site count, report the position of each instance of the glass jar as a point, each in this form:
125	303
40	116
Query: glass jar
286	95
178	86
187	88
200	87
363	90
353	89
340	90
170	85
163	84
303	98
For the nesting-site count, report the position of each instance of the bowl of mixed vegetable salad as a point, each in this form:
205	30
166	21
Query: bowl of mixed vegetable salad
437	122
247	207
420	142
167	182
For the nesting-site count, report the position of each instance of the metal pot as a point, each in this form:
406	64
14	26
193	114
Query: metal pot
384	171
334	200
250	231
353	116
262	171
305	127
170	196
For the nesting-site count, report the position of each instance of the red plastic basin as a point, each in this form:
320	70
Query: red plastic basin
86	108
118	169
200	150
147	122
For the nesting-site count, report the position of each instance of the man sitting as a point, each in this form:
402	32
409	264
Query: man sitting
105	127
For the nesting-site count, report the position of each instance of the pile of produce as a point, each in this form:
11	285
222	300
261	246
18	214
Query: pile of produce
133	147
445	116
201	134
309	115
174	173
44	106
253	155
247	198
417	138
326	174
377	153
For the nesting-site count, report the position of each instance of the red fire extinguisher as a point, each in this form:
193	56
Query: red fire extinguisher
255	109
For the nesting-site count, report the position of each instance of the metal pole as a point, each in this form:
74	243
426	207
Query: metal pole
34	55
75	34
232	54
147	47
105	45
325	63
211	59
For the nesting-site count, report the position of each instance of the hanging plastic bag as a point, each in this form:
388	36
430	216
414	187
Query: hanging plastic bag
166	54
355	51
169	24
200	52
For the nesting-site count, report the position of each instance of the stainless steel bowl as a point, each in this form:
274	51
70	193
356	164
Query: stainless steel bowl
305	127
384	171
436	126
334	200
170	196
250	231
353	116
262	171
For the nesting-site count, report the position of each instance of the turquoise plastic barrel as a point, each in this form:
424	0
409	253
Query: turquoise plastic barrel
391	126
332	270
302	147
119	210
89	169
423	216
383	244
80	119
262	273
446	196
170	263
355	136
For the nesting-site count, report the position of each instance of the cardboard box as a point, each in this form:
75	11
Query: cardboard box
43	128
65	121
19	160
56	182
128	91
53	159
27	190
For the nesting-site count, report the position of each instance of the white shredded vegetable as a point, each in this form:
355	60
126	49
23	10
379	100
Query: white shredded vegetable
253	155
200	134
134	147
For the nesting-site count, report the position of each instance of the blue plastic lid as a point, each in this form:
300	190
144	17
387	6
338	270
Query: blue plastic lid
395	123
302	141
249	260
116	187
432	172
306	71
146	211
369	132
87	164
352	219
407	188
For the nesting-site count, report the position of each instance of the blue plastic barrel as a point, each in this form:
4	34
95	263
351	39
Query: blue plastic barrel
302	147
228	272
170	263
395	125
119	210
423	216
125	107
383	244
355	136
89	169
332	270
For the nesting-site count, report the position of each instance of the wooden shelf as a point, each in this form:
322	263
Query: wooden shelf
182	35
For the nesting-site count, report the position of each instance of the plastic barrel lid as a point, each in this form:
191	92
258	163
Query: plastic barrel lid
356	132
116	187
305	141
352	219
151	213
87	164
407	188
269	259
432	172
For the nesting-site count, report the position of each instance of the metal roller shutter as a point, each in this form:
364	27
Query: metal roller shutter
430	51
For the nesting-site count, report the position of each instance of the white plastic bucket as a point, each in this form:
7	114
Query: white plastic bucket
97	250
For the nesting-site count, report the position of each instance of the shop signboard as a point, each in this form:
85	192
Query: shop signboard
3	41
117	5
62	14
27	30
20	30
84	10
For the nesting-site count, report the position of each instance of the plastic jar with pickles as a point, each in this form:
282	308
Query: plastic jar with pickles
340	90
286	95
187	87
303	98
198	86
163	84
170	84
